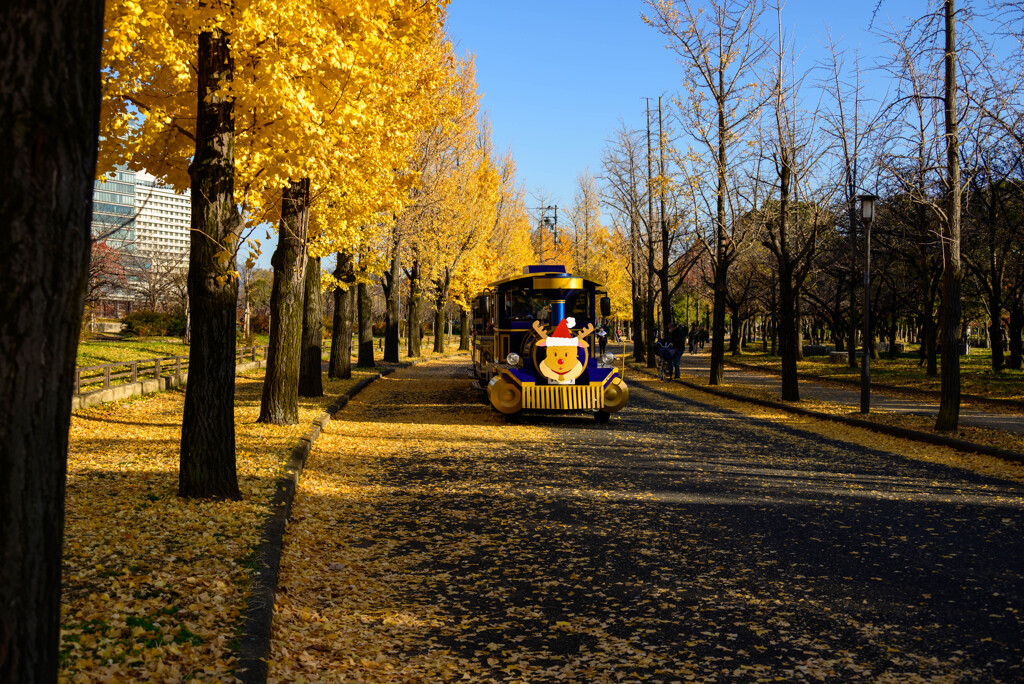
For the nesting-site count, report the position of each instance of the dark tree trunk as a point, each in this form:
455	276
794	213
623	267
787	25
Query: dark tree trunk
207	457
280	405
311	382
365	307
340	364
721	265
650	326
50	104
788	336
775	335
1016	344
415	307
391	312
463	330
799	329
439	324
952	270
639	350
995	305
893	332
930	341
734	334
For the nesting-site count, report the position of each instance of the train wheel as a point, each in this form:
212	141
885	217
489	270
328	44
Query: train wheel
504	395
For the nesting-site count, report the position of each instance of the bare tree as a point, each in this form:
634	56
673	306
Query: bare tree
792	224
624	195
847	124
720	47
584	218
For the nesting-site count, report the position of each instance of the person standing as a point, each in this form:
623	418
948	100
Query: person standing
602	338
677	337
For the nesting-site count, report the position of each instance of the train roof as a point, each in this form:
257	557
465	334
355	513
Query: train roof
547	276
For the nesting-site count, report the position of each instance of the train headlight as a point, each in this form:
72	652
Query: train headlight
608	359
512	359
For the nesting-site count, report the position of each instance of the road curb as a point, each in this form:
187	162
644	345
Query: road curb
254	642
891	430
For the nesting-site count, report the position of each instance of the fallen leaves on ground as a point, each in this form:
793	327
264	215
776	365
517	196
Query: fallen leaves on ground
433	541
154	586
1000	439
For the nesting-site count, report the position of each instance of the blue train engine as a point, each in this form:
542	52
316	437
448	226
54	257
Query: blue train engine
534	347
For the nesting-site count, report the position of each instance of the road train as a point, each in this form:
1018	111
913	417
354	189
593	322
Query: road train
534	347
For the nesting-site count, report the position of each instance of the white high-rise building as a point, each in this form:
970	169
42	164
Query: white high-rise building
146	224
162	223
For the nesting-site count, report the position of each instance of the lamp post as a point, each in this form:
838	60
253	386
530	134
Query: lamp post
867	215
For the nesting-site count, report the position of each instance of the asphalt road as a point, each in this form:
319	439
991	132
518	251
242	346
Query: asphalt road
678	542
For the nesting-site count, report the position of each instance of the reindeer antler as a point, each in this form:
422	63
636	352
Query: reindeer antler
586	331
540	330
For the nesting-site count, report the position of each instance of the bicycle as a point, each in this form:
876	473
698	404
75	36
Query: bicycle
664	352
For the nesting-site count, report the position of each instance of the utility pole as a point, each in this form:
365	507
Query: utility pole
548	218
649	314
667	315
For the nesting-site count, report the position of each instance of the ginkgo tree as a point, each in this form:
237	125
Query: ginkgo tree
240	102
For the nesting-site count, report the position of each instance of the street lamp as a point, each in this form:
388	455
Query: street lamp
867	215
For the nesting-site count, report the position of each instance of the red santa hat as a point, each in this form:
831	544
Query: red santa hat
561	337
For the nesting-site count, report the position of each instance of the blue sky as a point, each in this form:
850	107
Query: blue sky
557	76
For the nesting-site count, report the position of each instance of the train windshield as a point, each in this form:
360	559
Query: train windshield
527	305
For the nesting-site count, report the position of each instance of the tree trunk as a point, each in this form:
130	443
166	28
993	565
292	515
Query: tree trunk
952	270
636	325
799	325
390	283
892	331
650	326
415	306
930	343
995	306
734	334
463	330
1016	344
340	364
365	307
788	336
207	456
639	348
50	104
280	404
775	334
721	261
439	324
311	382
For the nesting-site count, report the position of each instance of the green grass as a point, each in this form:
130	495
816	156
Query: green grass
95	352
976	374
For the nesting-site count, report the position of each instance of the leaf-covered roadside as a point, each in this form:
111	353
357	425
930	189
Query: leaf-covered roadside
999	439
154	586
977	463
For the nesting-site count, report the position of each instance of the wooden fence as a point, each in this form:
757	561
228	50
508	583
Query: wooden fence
106	375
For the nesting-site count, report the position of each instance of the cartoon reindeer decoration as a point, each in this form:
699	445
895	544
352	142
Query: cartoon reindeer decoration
561	363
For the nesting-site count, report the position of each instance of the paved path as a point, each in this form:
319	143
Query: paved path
433	541
699	364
